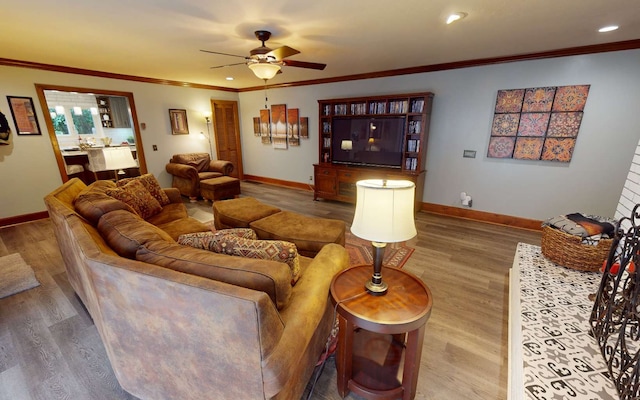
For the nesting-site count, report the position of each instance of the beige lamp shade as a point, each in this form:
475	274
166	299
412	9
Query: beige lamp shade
264	70
384	210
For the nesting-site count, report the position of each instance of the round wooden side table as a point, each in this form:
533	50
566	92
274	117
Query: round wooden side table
380	337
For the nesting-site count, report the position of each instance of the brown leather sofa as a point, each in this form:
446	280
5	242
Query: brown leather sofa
183	323
191	168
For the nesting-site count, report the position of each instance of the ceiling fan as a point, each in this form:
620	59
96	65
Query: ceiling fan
265	62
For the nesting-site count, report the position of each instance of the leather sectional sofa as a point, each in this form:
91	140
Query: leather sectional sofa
184	323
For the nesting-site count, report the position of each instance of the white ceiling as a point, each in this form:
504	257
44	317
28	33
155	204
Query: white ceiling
161	39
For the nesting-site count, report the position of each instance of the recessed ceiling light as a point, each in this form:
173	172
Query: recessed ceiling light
608	28
455	17
229	78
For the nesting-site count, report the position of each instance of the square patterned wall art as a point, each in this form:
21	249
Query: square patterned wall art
537	123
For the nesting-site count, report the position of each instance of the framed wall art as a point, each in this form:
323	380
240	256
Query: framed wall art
539	123
279	126
24	116
179	125
265	126
293	127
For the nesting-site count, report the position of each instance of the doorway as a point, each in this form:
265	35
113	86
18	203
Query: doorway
227	134
80	118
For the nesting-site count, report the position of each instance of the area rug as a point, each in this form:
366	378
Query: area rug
360	252
15	275
560	358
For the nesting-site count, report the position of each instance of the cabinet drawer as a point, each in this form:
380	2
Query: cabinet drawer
326	172
349	176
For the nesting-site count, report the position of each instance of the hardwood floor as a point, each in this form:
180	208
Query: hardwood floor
50	349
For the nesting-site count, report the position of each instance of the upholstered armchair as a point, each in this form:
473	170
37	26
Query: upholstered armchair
189	169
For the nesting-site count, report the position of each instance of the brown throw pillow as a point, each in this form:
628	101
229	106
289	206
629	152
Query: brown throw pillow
137	197
152	185
232	244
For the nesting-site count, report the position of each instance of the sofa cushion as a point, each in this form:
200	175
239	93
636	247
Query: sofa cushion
125	232
151	184
183	226
138	197
234	244
93	204
270	277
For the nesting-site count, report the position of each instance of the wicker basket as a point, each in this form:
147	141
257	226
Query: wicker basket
568	250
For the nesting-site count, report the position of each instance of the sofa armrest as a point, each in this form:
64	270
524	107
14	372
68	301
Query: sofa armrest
182	170
222	166
305	313
173	194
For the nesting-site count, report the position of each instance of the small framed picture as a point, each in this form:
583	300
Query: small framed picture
24	115
179	125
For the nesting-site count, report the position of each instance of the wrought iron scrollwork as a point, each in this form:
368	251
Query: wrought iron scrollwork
615	318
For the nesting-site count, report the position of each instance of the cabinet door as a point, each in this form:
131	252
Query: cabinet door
325	182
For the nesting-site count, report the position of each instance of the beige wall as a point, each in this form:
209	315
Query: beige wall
28	169
462	116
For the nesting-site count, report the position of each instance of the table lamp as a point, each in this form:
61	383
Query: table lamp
110	159
384	214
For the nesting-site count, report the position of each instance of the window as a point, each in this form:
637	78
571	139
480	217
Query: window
83	121
59	121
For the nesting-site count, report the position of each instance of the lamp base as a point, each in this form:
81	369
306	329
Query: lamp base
376	289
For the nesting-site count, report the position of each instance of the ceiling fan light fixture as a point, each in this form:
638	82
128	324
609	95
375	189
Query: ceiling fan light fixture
455	17
264	70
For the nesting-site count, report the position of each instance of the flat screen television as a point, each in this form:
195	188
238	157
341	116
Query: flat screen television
368	141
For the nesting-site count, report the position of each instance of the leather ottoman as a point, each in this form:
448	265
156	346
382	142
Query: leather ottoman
239	213
309	234
223	187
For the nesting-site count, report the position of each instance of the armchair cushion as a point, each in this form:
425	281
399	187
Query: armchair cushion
200	165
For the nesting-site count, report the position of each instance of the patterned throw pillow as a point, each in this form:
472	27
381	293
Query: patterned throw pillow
137	197
236	244
152	185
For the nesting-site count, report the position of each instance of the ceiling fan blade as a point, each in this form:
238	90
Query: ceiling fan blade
303	64
224	54
282	52
227	65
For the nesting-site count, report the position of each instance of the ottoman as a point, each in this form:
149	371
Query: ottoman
239	213
222	187
309	234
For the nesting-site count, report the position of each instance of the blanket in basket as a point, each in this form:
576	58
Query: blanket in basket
590	228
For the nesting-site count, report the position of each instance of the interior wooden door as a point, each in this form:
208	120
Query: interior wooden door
227	133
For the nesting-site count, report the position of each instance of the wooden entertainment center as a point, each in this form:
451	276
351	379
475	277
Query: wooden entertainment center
335	176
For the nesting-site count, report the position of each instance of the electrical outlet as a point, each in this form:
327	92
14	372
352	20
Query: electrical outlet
310	178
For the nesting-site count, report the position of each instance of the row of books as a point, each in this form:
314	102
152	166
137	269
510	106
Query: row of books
358	108
417	105
413	145
398	106
340	109
326	142
378	107
411	164
375	107
415	127
326	127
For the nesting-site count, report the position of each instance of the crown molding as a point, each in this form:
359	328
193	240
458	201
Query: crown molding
566	52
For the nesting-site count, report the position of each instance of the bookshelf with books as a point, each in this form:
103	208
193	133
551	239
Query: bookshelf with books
376	137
